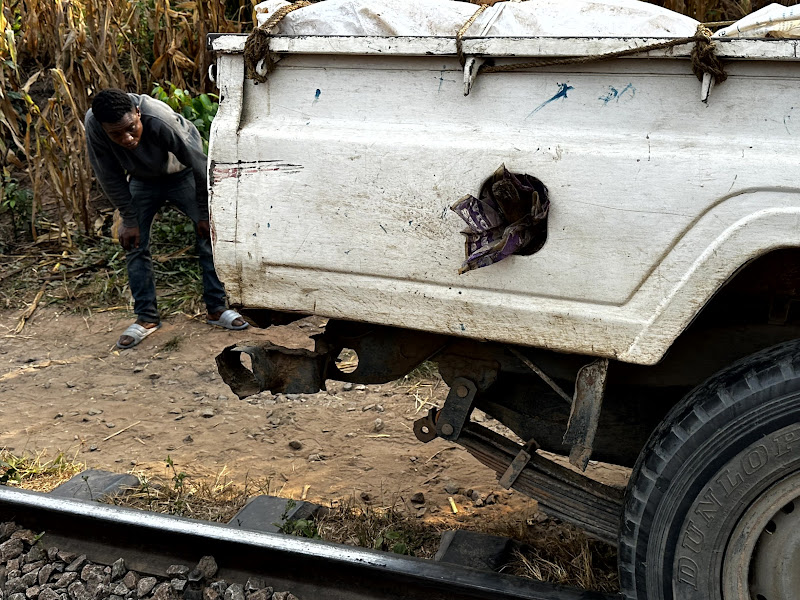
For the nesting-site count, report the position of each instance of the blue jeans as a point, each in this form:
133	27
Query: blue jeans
147	197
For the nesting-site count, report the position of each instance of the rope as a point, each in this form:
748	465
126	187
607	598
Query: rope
460	35
256	48
704	60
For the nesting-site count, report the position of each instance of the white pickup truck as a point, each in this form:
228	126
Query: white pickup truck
655	325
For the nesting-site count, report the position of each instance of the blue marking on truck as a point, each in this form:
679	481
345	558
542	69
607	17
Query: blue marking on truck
316	96
563	88
614	94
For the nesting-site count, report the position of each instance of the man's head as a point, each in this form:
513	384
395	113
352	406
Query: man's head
118	116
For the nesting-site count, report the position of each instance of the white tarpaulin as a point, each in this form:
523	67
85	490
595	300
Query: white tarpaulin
775	21
536	18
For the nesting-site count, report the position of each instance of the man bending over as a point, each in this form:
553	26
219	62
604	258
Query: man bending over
145	155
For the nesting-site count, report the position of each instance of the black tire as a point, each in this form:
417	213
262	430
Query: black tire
714	456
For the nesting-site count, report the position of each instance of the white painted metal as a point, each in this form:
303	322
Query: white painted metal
330	186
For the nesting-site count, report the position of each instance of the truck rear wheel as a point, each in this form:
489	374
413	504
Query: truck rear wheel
712	510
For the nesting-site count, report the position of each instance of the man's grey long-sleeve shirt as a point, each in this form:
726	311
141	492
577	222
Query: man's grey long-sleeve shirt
169	144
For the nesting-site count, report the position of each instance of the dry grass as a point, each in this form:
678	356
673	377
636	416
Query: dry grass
546	550
55	55
35	471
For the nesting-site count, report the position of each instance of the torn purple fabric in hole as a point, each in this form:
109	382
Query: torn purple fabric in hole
509	217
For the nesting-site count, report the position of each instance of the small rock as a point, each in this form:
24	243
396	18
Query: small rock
145	586
32	592
58	415
10	549
17	596
265	594
421	512
93	412
77	564
121	589
254	584
475	495
15	585
379	407
210	593
451	488
45	573
378	425
92	448
314	457
222	398
78	591
163	591
347	387
66	557
418	498
52	554
178	585
188	439
138	368
207	413
352	434
295	445
491	499
70	385
413	458
367	407
26	535
234	592
131	580
66	579
181	571
361	387
48	594
207	566
220	586
478	417
118	569
154	376
479	502
365	497
110	425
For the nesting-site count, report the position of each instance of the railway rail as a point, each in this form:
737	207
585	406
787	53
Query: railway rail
310	569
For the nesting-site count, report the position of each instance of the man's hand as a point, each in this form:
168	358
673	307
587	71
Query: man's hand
204	230
129	237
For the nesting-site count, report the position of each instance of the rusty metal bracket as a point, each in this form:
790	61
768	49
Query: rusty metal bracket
518	465
457	409
590	386
425	428
275	368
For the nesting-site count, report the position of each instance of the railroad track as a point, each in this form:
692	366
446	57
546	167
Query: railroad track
310	569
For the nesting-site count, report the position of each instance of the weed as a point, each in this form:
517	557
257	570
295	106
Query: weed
306	528
36	472
200	109
172	344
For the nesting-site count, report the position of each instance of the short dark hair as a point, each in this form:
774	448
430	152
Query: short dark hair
109	106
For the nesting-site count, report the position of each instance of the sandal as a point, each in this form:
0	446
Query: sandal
138	333
226	320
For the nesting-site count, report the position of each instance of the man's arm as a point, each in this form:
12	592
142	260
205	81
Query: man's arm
109	172
187	146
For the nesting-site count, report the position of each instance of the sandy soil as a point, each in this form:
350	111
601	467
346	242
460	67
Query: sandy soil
65	388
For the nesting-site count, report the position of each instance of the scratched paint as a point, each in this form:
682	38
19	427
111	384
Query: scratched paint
316	96
563	88
222	171
613	94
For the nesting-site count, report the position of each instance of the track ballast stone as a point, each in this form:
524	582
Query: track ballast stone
31	571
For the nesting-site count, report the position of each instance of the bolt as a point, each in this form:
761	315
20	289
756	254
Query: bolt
462	391
447	429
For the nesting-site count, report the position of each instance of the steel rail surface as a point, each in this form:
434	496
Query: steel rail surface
311	569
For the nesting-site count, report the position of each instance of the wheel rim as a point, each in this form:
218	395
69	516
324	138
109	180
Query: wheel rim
762	561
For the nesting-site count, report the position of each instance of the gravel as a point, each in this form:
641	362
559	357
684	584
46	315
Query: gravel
31	571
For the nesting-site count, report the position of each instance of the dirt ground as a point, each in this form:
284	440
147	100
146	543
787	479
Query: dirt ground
65	388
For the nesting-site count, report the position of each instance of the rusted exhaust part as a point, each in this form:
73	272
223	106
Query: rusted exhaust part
275	368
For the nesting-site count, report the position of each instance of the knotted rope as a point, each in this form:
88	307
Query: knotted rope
256	48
